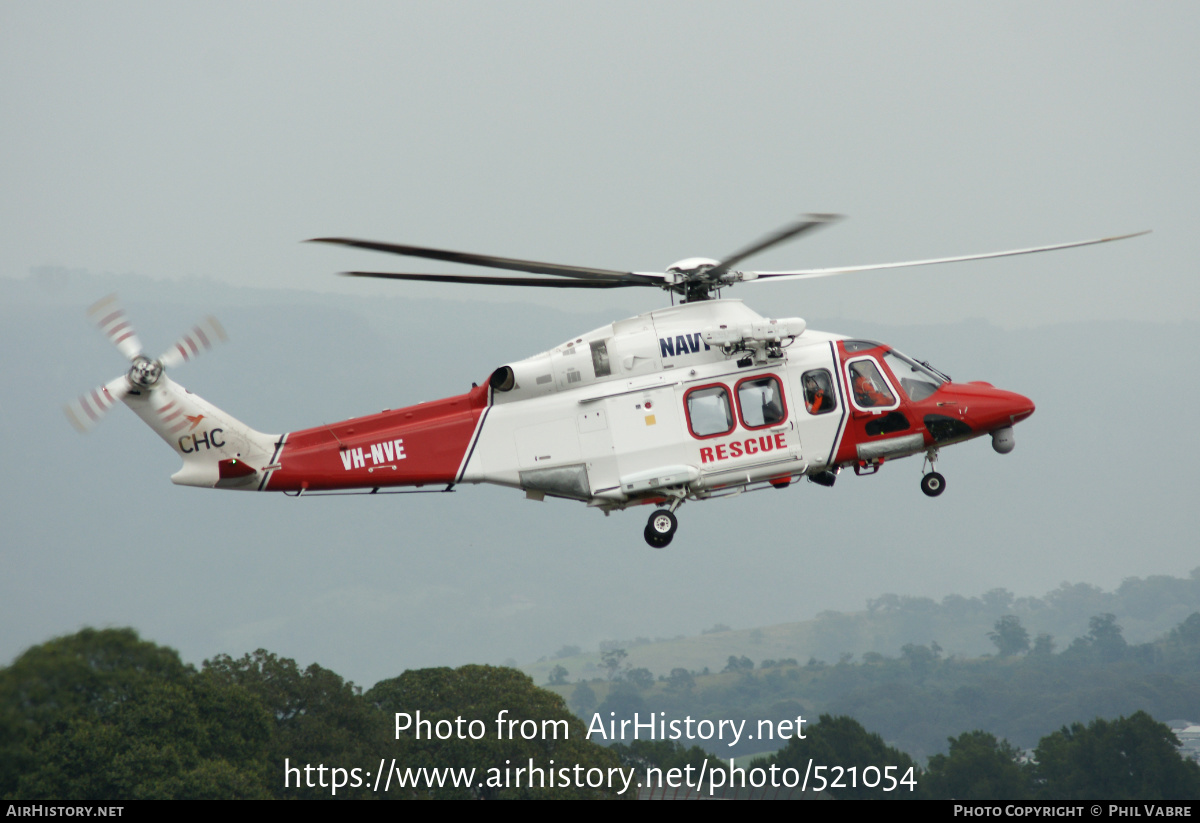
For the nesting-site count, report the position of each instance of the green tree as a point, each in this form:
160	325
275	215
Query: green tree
1009	636
104	715
558	676
319	717
842	741
978	767
1134	758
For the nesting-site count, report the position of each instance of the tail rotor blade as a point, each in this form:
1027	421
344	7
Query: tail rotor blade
86	411
203	336
109	317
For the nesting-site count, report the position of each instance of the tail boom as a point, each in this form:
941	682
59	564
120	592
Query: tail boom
424	444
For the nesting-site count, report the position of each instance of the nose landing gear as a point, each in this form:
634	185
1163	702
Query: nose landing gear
932	483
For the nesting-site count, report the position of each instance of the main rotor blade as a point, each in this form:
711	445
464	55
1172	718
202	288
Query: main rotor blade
109	317
203	336
547	282
89	409
490	261
808	223
802	274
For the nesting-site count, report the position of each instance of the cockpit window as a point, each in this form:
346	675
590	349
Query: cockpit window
760	401
869	389
917	381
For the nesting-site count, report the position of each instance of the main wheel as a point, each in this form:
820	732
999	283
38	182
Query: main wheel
933	484
662	522
661	528
656	540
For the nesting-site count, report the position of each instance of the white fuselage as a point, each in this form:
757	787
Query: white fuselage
603	417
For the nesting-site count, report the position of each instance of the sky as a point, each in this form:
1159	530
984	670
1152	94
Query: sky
184	151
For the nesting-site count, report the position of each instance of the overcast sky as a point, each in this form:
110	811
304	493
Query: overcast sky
207	140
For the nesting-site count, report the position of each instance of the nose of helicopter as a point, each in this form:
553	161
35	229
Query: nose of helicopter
990	408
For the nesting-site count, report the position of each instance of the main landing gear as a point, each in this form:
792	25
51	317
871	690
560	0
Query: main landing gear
661	528
932	483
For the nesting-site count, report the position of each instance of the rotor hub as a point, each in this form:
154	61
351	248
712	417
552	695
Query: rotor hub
692	265
145	372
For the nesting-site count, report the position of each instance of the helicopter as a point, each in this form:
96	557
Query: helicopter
697	400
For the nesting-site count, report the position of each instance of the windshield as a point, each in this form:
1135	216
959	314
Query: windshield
917	381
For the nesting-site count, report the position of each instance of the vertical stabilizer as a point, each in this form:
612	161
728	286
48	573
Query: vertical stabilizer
218	451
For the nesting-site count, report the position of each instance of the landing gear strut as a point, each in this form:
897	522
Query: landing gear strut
932	483
661	528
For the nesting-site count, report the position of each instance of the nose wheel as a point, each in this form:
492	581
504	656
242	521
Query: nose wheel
661	528
933	484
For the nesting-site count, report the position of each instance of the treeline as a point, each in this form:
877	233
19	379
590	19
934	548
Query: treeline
104	715
1133	758
1145	608
920	698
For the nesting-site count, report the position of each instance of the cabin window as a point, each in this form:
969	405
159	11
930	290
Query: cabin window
819	396
760	402
709	411
867	386
600	362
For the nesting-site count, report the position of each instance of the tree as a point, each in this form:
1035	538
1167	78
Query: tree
612	660
104	715
1010	636
978	767
640	677
738	664
844	742
1043	646
1105	637
680	680
920	658
1134	758
558	676
997	599
319	717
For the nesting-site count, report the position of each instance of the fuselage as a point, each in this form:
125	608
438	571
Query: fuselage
665	403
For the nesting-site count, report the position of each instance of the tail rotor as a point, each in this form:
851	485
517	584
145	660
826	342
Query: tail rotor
86	411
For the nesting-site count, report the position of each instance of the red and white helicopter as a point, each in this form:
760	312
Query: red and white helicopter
688	402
